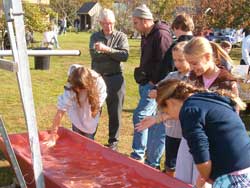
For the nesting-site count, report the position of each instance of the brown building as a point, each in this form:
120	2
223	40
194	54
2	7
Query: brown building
88	14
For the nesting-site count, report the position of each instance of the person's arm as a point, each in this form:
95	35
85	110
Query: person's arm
121	52
102	89
246	50
99	51
153	92
204	170
63	104
57	120
96	56
160	46
51	140
193	120
202	182
149	121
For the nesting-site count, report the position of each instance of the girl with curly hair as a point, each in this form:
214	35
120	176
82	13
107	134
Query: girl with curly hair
82	99
215	133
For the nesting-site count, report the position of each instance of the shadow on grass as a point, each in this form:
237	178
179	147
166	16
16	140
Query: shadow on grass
128	110
6	172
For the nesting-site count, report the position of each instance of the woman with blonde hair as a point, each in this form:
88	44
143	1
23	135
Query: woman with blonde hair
83	97
214	131
205	72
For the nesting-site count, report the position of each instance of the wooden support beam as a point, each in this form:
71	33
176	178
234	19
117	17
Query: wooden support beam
8	65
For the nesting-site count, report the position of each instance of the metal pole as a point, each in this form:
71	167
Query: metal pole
12	155
14	12
45	53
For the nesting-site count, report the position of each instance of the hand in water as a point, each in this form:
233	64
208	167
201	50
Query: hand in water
51	141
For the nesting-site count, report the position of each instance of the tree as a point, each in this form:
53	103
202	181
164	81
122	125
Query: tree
123	13
223	13
67	8
107	3
37	16
167	9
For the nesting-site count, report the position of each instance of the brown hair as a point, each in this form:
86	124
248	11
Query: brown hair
181	90
219	54
81	78
183	22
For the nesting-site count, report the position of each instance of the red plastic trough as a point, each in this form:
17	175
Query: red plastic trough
78	162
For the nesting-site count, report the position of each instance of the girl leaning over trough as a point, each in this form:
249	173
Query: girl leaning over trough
214	131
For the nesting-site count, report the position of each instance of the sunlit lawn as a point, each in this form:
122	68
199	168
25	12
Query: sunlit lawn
48	84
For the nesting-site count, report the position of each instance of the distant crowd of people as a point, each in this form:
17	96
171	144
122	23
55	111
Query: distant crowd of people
188	100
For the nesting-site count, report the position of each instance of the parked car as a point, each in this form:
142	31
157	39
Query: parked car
231	35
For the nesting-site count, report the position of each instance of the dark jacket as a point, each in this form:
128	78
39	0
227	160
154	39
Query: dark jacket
168	61
214	131
153	49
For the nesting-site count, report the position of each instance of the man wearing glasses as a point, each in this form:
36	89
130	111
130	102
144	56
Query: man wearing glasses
108	49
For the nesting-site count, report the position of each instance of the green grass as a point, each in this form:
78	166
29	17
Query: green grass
47	85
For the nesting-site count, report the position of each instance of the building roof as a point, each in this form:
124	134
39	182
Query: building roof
86	8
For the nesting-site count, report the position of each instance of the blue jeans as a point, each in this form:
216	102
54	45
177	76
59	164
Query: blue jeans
75	129
152	139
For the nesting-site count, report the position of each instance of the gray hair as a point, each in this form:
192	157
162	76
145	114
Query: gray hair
106	13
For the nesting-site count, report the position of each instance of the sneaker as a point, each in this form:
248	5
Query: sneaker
112	146
151	165
140	160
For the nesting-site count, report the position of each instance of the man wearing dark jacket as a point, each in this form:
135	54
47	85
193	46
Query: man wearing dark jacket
156	39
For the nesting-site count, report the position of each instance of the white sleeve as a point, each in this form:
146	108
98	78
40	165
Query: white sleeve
246	50
65	100
102	89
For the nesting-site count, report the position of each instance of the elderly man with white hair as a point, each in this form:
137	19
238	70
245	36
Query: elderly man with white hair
108	49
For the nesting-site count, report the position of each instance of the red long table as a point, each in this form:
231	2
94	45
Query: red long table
78	162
